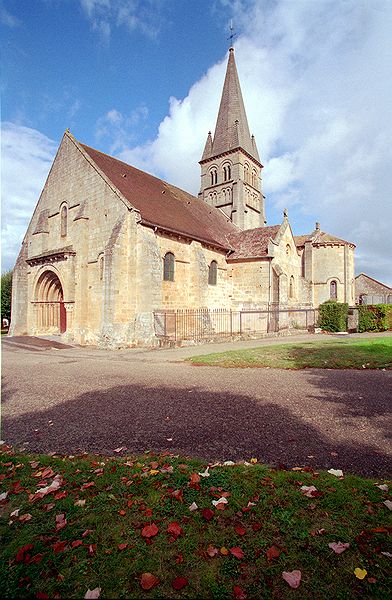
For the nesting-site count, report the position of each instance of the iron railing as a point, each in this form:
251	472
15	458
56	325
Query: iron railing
203	323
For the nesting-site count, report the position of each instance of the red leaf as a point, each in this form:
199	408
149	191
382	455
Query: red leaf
240	530
60	495
179	583
20	555
195	478
59	547
179	559
207	513
293	578
273	552
48	472
85	486
41	596
76	543
148	581
238	593
61	521
87	532
122	513
122	546
36	558
211	551
237	552
256	526
177	494
91	549
150	530
174	529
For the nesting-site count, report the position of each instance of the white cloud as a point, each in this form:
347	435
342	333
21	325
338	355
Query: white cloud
104	15
27	155
117	130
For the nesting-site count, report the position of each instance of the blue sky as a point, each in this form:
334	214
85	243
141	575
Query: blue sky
141	80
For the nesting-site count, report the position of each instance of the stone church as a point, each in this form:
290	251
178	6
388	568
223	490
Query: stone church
109	245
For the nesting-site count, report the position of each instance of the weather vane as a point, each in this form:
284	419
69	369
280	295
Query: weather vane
232	35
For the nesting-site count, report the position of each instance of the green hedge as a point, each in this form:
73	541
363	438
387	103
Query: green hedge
333	316
375	317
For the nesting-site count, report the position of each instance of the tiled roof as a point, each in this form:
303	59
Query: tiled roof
163	205
232	129
319	237
252	243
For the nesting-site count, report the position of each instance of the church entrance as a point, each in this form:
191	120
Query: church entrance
51	316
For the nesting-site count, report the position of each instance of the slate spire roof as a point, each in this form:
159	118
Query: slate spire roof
232	129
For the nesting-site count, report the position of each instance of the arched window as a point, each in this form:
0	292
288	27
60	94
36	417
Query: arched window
246	172
214	176
254	178
291	287
63	219
288	249
101	265
213	273
333	290
168	267
226	173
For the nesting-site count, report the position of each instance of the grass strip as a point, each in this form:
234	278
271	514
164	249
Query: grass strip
122	523
325	354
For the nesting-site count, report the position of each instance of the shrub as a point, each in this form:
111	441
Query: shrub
333	316
6	292
375	317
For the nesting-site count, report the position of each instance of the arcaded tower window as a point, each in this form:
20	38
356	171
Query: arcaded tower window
63	218
226	173
168	267
333	290
213	273
214	176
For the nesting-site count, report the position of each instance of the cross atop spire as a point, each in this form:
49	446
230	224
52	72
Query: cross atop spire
232	35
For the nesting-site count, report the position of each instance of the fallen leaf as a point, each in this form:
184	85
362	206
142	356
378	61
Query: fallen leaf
253	461
211	551
59	547
383	487
240	530
338	547
179	559
336	472
24	518
120	449
3	496
388	504
179	583
87	485
273	552
360	573
122	512
91	549
22	552
87	532
41	492
149	531
93	593
207	514
237	552
80	503
308	490
122	546
239	593
293	578
221	500
205	473
228	463
174	529
195	478
148	581
76	543
193	506
60	495
61	521
224	551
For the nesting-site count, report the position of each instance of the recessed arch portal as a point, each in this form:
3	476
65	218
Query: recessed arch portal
49	300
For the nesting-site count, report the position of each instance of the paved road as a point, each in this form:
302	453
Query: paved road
71	399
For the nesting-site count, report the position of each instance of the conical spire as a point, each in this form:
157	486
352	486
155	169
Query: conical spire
232	130
208	147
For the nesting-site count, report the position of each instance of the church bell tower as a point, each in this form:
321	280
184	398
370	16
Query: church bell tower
230	165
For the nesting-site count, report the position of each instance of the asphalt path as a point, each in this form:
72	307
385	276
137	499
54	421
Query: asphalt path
58	398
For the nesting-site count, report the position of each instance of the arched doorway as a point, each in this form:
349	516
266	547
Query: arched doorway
51	313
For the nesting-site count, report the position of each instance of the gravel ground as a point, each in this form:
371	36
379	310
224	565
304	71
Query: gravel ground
69	399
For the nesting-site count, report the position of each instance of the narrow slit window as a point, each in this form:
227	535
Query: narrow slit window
213	273
64	218
168	267
333	290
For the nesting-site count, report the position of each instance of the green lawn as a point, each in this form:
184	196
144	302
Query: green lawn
92	531
323	354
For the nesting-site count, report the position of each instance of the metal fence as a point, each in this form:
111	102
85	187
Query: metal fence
204	324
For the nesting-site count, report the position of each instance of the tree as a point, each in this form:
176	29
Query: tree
6	293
